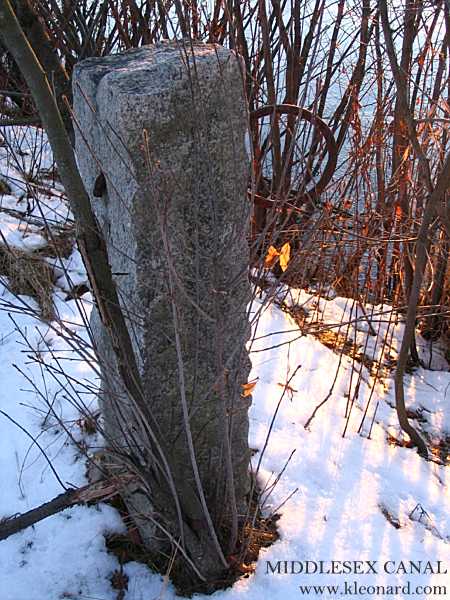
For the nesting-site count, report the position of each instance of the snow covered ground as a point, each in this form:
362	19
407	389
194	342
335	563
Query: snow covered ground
359	497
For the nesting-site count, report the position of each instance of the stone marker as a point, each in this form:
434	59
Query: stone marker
160	143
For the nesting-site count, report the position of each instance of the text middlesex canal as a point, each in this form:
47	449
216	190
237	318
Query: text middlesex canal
355	567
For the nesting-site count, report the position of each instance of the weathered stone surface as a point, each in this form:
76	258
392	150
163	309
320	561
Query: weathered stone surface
167	129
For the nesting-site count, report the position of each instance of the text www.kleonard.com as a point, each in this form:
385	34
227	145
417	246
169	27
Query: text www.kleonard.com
353	588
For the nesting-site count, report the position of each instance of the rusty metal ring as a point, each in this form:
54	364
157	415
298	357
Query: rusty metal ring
324	130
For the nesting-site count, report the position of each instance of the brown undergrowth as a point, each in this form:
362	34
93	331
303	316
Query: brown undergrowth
260	533
337	342
29	275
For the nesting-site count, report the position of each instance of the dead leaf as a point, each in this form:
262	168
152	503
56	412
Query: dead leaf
287	387
405	153
247	388
348	203
285	256
271	257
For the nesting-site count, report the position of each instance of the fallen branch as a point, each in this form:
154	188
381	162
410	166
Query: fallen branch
96	492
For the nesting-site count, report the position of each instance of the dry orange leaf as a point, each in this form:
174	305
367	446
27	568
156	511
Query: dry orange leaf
287	387
406	153
247	388
285	256
271	257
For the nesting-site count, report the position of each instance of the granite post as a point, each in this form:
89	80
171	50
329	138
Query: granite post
160	143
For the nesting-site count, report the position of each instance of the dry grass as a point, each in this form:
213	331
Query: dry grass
60	243
4	187
335	341
29	275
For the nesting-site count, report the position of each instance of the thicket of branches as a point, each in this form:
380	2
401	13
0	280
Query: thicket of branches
376	74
